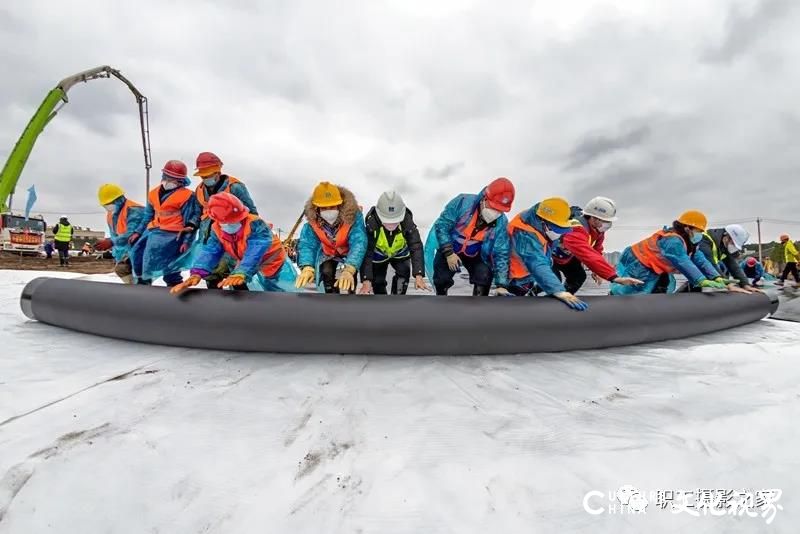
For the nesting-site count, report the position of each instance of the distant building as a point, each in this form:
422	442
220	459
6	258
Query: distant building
83	235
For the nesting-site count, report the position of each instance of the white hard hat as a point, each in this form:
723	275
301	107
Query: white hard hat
391	208
738	235
601	208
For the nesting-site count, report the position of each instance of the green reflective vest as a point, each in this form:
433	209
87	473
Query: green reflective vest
64	233
397	249
716	257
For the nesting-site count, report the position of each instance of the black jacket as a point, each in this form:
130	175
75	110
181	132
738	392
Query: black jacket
731	261
413	240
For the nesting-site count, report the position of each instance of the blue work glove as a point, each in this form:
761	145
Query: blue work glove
571	300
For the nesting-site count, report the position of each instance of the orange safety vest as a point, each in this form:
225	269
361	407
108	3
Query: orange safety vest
466	236
122	218
518	269
648	253
271	261
168	215
339	246
200	194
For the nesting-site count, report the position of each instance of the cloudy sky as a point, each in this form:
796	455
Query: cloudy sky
663	106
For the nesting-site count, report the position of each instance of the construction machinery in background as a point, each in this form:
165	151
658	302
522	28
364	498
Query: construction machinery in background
27	235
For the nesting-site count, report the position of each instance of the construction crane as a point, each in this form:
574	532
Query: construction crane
48	109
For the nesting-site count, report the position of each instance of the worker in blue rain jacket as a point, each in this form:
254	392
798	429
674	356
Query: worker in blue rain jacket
123	216
533	234
213	181
334	235
671	250
162	242
471	233
753	270
260	260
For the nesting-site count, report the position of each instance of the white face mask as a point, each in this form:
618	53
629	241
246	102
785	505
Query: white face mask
209	182
329	216
489	215
169	185
391	227
231	228
604	227
110	208
552	236
732	249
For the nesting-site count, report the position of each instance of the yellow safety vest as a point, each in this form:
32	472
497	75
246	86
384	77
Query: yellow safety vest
64	233
715	255
398	248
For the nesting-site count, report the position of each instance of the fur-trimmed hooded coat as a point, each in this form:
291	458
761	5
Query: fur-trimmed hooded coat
309	248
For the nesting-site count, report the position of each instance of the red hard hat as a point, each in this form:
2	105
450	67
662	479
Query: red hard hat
207	160
226	208
751	262
175	169
500	194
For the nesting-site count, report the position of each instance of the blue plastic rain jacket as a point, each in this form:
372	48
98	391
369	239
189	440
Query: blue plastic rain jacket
457	214
258	243
157	252
536	257
695	268
309	247
228	184
121	230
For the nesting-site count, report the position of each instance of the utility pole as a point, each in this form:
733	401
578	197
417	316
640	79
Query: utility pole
760	255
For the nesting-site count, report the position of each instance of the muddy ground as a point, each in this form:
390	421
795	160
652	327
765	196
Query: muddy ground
78	264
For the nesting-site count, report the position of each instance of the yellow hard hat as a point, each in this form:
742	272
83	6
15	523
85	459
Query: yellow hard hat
694	218
108	193
554	210
326	195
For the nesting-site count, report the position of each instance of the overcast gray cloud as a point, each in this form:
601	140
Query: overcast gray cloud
641	101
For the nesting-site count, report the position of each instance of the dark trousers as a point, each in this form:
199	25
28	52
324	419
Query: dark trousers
327	271
222	271
402	272
480	274
791	268
571	273
63	252
171	279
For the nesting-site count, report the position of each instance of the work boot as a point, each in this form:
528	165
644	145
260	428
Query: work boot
441	291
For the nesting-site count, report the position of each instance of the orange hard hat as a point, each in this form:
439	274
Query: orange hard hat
784	237
207	164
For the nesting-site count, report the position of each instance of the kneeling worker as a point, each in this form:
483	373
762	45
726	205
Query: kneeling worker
533	234
392	239
334	234
122	216
584	246
260	258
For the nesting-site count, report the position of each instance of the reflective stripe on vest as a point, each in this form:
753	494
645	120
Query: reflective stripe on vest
64	233
716	257
466	241
122	218
517	269
339	246
384	252
168	215
649	255
235	246
201	194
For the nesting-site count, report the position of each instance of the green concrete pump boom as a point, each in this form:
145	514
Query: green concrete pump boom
48	109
